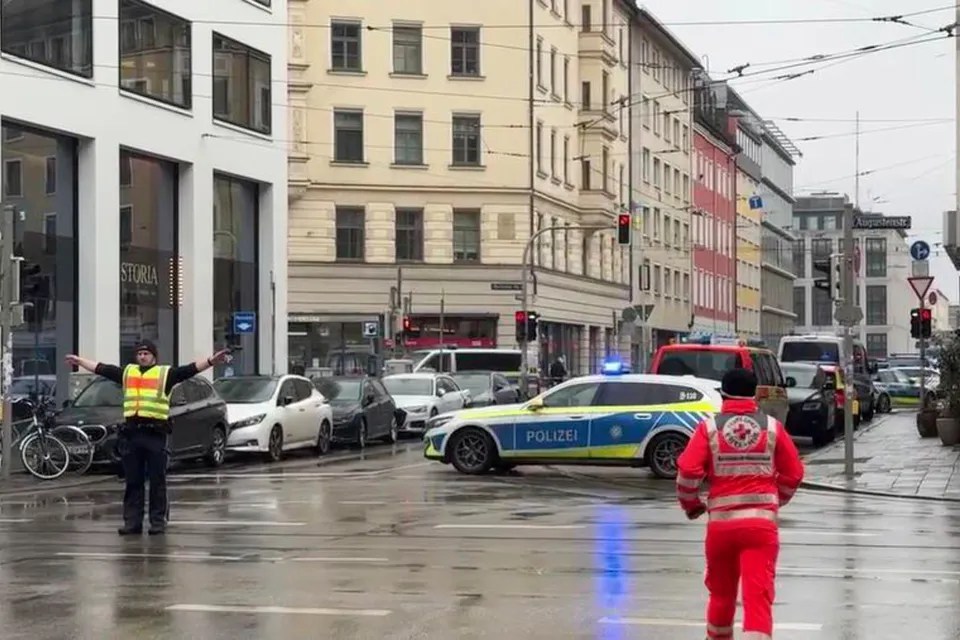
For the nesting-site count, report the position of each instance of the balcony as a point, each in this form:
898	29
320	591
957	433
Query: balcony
599	46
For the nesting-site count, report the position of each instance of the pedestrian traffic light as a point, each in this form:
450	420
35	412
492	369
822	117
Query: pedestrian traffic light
406	324
521	318
623	228
831	283
33	293
920	323
526	322
532	319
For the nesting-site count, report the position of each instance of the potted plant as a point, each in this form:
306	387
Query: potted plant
948	393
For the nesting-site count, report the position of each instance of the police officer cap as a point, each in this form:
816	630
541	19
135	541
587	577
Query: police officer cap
739	383
146	345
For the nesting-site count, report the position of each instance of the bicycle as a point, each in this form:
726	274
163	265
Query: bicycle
42	449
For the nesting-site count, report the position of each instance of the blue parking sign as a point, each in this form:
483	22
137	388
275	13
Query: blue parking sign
244	322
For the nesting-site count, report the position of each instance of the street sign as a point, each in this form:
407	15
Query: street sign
920	269
371	329
756	202
244	322
645	311
920	250
848	315
932	298
881	222
920	285
506	286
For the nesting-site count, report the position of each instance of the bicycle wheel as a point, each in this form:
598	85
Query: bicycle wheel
45	457
79	446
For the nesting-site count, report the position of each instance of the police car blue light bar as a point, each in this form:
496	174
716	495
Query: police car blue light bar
613	367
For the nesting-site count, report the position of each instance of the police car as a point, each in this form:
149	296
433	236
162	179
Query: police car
617	419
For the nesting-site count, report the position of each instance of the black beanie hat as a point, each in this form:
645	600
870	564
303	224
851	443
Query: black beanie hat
146	345
739	383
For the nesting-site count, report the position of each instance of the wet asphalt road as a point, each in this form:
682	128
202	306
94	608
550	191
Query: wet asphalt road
386	545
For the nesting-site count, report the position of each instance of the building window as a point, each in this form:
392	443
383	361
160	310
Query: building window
553	153
407	50
799	258
409	230
465	51
553	71
539	148
54	34
45	235
241	85
466	236
348	136
351	233
585	19
585	96
566	159
876	345
155	54
539	62
236	268
585	171
13	178
50	176
149	262
345	46
800	305
876	257
408	138
466	140
877	304
566	80
822	309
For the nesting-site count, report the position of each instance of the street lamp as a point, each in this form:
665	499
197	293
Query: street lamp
525	276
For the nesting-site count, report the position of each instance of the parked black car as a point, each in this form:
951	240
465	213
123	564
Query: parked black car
812	402
362	409
198	420
487	388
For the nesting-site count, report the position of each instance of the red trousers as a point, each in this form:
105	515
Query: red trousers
745	552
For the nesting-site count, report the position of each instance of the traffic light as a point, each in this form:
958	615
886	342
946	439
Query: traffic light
33	292
406	324
920	321
623	228
831	283
526	326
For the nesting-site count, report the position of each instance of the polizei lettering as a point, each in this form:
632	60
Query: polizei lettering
137	273
552	437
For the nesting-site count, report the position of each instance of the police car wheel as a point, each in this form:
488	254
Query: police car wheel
472	451
663	452
883	404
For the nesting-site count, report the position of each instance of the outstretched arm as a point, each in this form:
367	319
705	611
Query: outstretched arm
76	361
108	371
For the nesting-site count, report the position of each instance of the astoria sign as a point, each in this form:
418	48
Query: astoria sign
139	274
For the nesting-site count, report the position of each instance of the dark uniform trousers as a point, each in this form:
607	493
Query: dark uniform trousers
144	456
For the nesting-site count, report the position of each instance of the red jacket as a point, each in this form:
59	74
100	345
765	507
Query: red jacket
751	464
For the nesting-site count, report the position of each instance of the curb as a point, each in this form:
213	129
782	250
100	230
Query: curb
833	488
4	493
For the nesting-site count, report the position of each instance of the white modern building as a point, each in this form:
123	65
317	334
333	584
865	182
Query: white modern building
883	292
142	152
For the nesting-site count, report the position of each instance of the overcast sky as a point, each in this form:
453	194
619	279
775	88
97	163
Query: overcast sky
904	87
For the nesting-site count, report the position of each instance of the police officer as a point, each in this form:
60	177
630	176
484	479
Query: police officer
142	441
753	469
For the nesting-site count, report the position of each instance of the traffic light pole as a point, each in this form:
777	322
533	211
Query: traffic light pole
524	293
7	284
923	360
849	298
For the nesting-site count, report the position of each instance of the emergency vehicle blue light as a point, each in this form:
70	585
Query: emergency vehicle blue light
612	367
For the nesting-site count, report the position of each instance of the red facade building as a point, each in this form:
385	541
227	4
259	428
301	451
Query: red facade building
714	221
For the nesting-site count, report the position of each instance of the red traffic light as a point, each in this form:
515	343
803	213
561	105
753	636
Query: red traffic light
624	220
406	323
521	316
926	314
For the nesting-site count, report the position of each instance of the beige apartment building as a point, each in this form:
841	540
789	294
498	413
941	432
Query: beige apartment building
662	85
422	161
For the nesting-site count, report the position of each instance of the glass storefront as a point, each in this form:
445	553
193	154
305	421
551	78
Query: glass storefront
149	267
236	271
330	345
560	340
458	331
39	180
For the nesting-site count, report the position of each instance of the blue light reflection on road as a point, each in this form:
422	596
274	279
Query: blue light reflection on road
612	570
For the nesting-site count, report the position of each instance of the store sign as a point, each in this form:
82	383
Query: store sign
140	280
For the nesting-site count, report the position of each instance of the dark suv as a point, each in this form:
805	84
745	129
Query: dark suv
198	420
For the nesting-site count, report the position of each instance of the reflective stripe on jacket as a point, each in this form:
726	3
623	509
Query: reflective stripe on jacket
144	393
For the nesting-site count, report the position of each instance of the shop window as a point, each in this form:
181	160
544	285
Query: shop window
236	270
149	265
45	236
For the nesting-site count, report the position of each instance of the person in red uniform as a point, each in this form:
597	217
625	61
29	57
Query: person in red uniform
752	468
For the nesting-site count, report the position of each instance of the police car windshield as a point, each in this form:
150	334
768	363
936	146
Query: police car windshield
409	386
100	393
810	352
245	390
703	363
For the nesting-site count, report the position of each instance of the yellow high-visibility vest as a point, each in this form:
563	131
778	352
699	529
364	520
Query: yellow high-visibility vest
144	394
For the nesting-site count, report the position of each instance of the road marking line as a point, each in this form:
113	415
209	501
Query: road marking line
369	502
164	556
931	572
666	622
371	560
508	526
816	532
210	608
237	523
298	474
14	520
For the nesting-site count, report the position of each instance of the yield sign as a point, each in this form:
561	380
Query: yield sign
920	285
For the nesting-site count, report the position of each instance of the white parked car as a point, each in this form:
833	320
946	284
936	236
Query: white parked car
273	414
424	396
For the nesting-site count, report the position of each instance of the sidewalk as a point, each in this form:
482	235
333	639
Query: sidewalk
24	483
890	458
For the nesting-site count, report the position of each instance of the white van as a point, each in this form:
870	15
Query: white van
505	361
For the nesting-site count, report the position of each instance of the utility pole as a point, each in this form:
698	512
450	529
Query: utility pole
849	315
9	272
